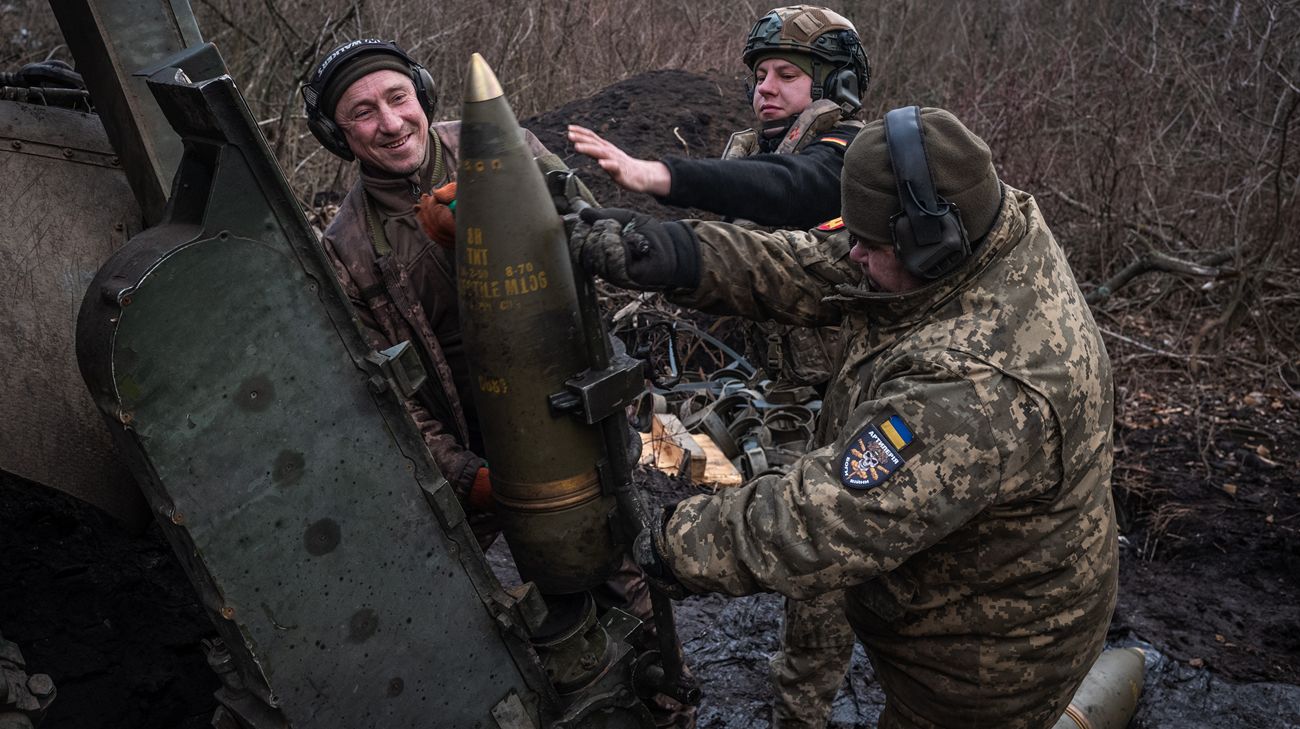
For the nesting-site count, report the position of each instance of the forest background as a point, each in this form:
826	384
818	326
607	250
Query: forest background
1159	135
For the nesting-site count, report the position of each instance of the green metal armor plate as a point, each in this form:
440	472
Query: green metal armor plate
270	442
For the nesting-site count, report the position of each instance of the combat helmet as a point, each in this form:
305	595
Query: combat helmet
825	35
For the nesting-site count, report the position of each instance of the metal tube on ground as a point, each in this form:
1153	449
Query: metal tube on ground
1108	696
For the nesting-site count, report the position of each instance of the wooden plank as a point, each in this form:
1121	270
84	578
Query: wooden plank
671	449
718	470
672	427
661	452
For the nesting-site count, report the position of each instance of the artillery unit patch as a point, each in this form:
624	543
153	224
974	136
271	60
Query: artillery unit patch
876	453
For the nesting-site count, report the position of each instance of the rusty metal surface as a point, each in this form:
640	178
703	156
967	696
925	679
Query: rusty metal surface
67	207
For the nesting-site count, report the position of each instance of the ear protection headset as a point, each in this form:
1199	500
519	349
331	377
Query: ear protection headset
846	84
833	42
322	126
929	238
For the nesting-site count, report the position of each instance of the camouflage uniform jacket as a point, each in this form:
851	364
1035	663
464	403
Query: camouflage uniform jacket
409	294
979	555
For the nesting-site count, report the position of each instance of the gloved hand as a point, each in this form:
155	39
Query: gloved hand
435	215
480	494
648	553
635	251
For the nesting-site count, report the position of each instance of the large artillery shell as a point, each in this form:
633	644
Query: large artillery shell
523	333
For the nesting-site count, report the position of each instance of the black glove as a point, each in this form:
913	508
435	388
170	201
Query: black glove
634	251
648	552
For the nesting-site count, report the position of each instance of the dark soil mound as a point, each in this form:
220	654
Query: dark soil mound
653	115
1210	573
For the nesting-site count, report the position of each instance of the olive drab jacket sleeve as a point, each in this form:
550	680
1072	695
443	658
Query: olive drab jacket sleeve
846	515
785	276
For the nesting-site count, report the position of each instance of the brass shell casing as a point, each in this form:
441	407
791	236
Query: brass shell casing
547	497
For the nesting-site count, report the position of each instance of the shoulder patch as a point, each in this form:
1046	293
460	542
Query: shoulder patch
878	451
835	224
834	140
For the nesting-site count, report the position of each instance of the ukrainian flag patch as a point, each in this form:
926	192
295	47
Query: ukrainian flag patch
877	452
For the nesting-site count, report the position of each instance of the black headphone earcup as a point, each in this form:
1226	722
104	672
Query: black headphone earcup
330	137
933	261
430	92
749	93
842	87
901	228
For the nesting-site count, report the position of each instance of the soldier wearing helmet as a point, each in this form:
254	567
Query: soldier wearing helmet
392	244
810	75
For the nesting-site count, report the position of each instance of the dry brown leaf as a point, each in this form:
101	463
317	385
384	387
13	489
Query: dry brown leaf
1269	518
1230	488
1218	637
1196	663
1262	451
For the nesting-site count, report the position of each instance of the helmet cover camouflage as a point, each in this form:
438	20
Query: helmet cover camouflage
827	36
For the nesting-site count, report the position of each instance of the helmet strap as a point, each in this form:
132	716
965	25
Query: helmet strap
781	124
770	143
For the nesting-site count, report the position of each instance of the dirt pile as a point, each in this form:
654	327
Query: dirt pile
1210	568
652	115
108	615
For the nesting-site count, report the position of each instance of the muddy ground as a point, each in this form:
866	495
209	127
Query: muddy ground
1206	469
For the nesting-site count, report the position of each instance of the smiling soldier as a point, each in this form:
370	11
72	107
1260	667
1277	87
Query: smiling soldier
393	248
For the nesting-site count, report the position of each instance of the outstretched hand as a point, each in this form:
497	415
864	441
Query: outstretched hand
637	175
634	251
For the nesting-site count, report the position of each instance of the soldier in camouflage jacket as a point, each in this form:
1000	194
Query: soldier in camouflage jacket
810	75
960	489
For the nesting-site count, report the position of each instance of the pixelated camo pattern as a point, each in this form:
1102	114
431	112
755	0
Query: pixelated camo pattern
981	576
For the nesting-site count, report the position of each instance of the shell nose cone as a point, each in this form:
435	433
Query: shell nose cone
482	83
